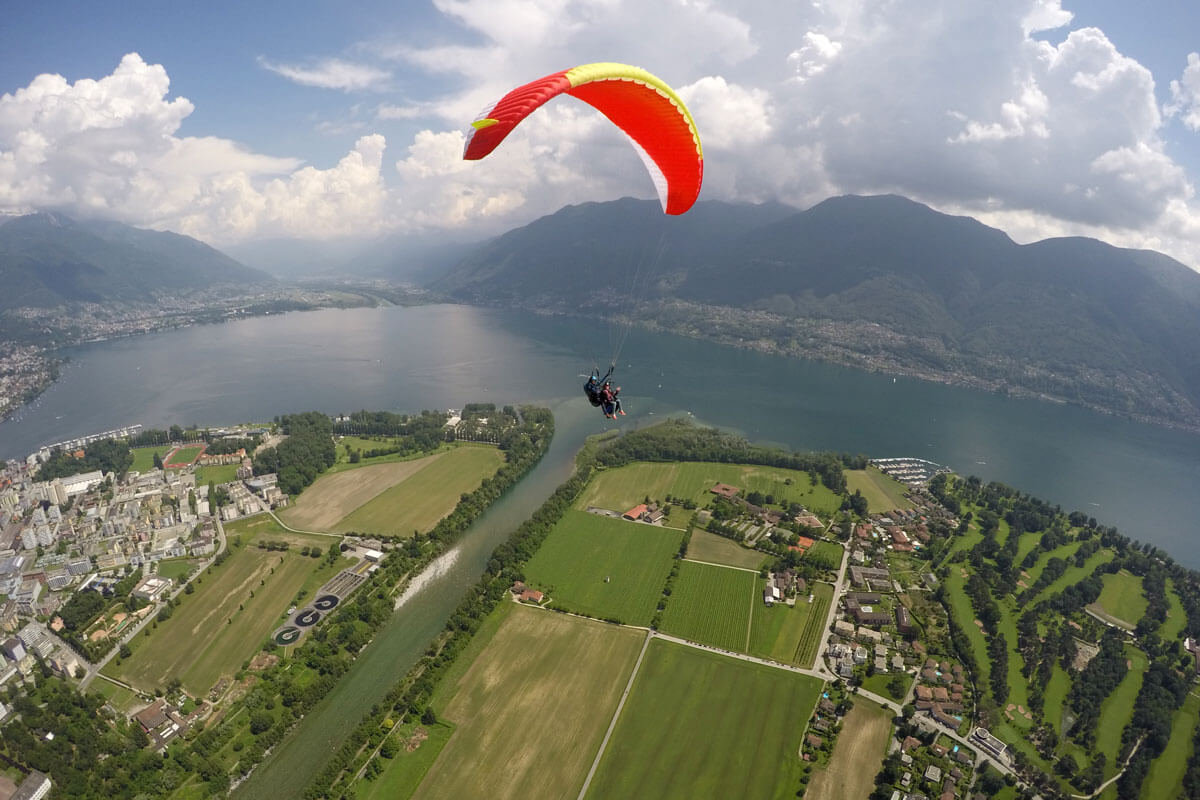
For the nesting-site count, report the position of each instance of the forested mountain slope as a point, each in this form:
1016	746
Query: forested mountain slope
881	282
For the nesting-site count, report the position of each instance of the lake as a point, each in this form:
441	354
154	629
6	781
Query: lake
1137	477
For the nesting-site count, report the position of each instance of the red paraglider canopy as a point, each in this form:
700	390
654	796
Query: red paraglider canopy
646	109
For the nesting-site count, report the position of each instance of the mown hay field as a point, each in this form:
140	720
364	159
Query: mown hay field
532	708
603	567
221	625
884	493
713	549
419	501
208	636
323	505
699	724
857	755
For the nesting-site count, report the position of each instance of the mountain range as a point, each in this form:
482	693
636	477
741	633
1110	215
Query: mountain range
49	259
880	282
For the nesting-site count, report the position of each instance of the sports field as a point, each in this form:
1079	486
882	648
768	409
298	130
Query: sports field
532	708
622	488
883	492
857	756
321	506
790	635
218	474
182	456
1122	597
713	549
421	499
699	724
220	625
711	605
604	567
1165	778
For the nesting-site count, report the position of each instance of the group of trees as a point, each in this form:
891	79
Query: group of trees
307	451
106	455
91	755
679	440
84	608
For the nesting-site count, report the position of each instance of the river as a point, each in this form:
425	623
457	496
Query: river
1138	477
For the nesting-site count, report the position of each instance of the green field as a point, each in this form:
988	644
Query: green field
714	549
1018	693
829	552
786	634
698	724
420	747
420	501
532	708
814	627
1027	542
883	493
119	697
143	457
711	605
1117	708
1176	619
218	474
604	567
1056	697
622	488
878	683
1074	575
1165	778
1122	597
1066	551
221	625
177	569
964	615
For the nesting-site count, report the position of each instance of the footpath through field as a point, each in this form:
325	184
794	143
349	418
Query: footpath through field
616	715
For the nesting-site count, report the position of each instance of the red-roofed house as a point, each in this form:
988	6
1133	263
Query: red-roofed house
636	512
725	490
531	595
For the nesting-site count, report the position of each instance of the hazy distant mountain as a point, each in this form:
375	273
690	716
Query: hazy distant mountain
882	282
47	259
403	258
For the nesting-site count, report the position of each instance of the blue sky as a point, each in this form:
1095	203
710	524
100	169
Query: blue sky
240	121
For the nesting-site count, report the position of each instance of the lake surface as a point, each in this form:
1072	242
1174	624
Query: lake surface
1139	478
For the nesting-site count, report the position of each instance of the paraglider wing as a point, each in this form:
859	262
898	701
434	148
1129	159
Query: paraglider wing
646	109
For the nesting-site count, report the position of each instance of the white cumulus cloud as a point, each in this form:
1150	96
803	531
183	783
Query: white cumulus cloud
1185	94
331	73
110	148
